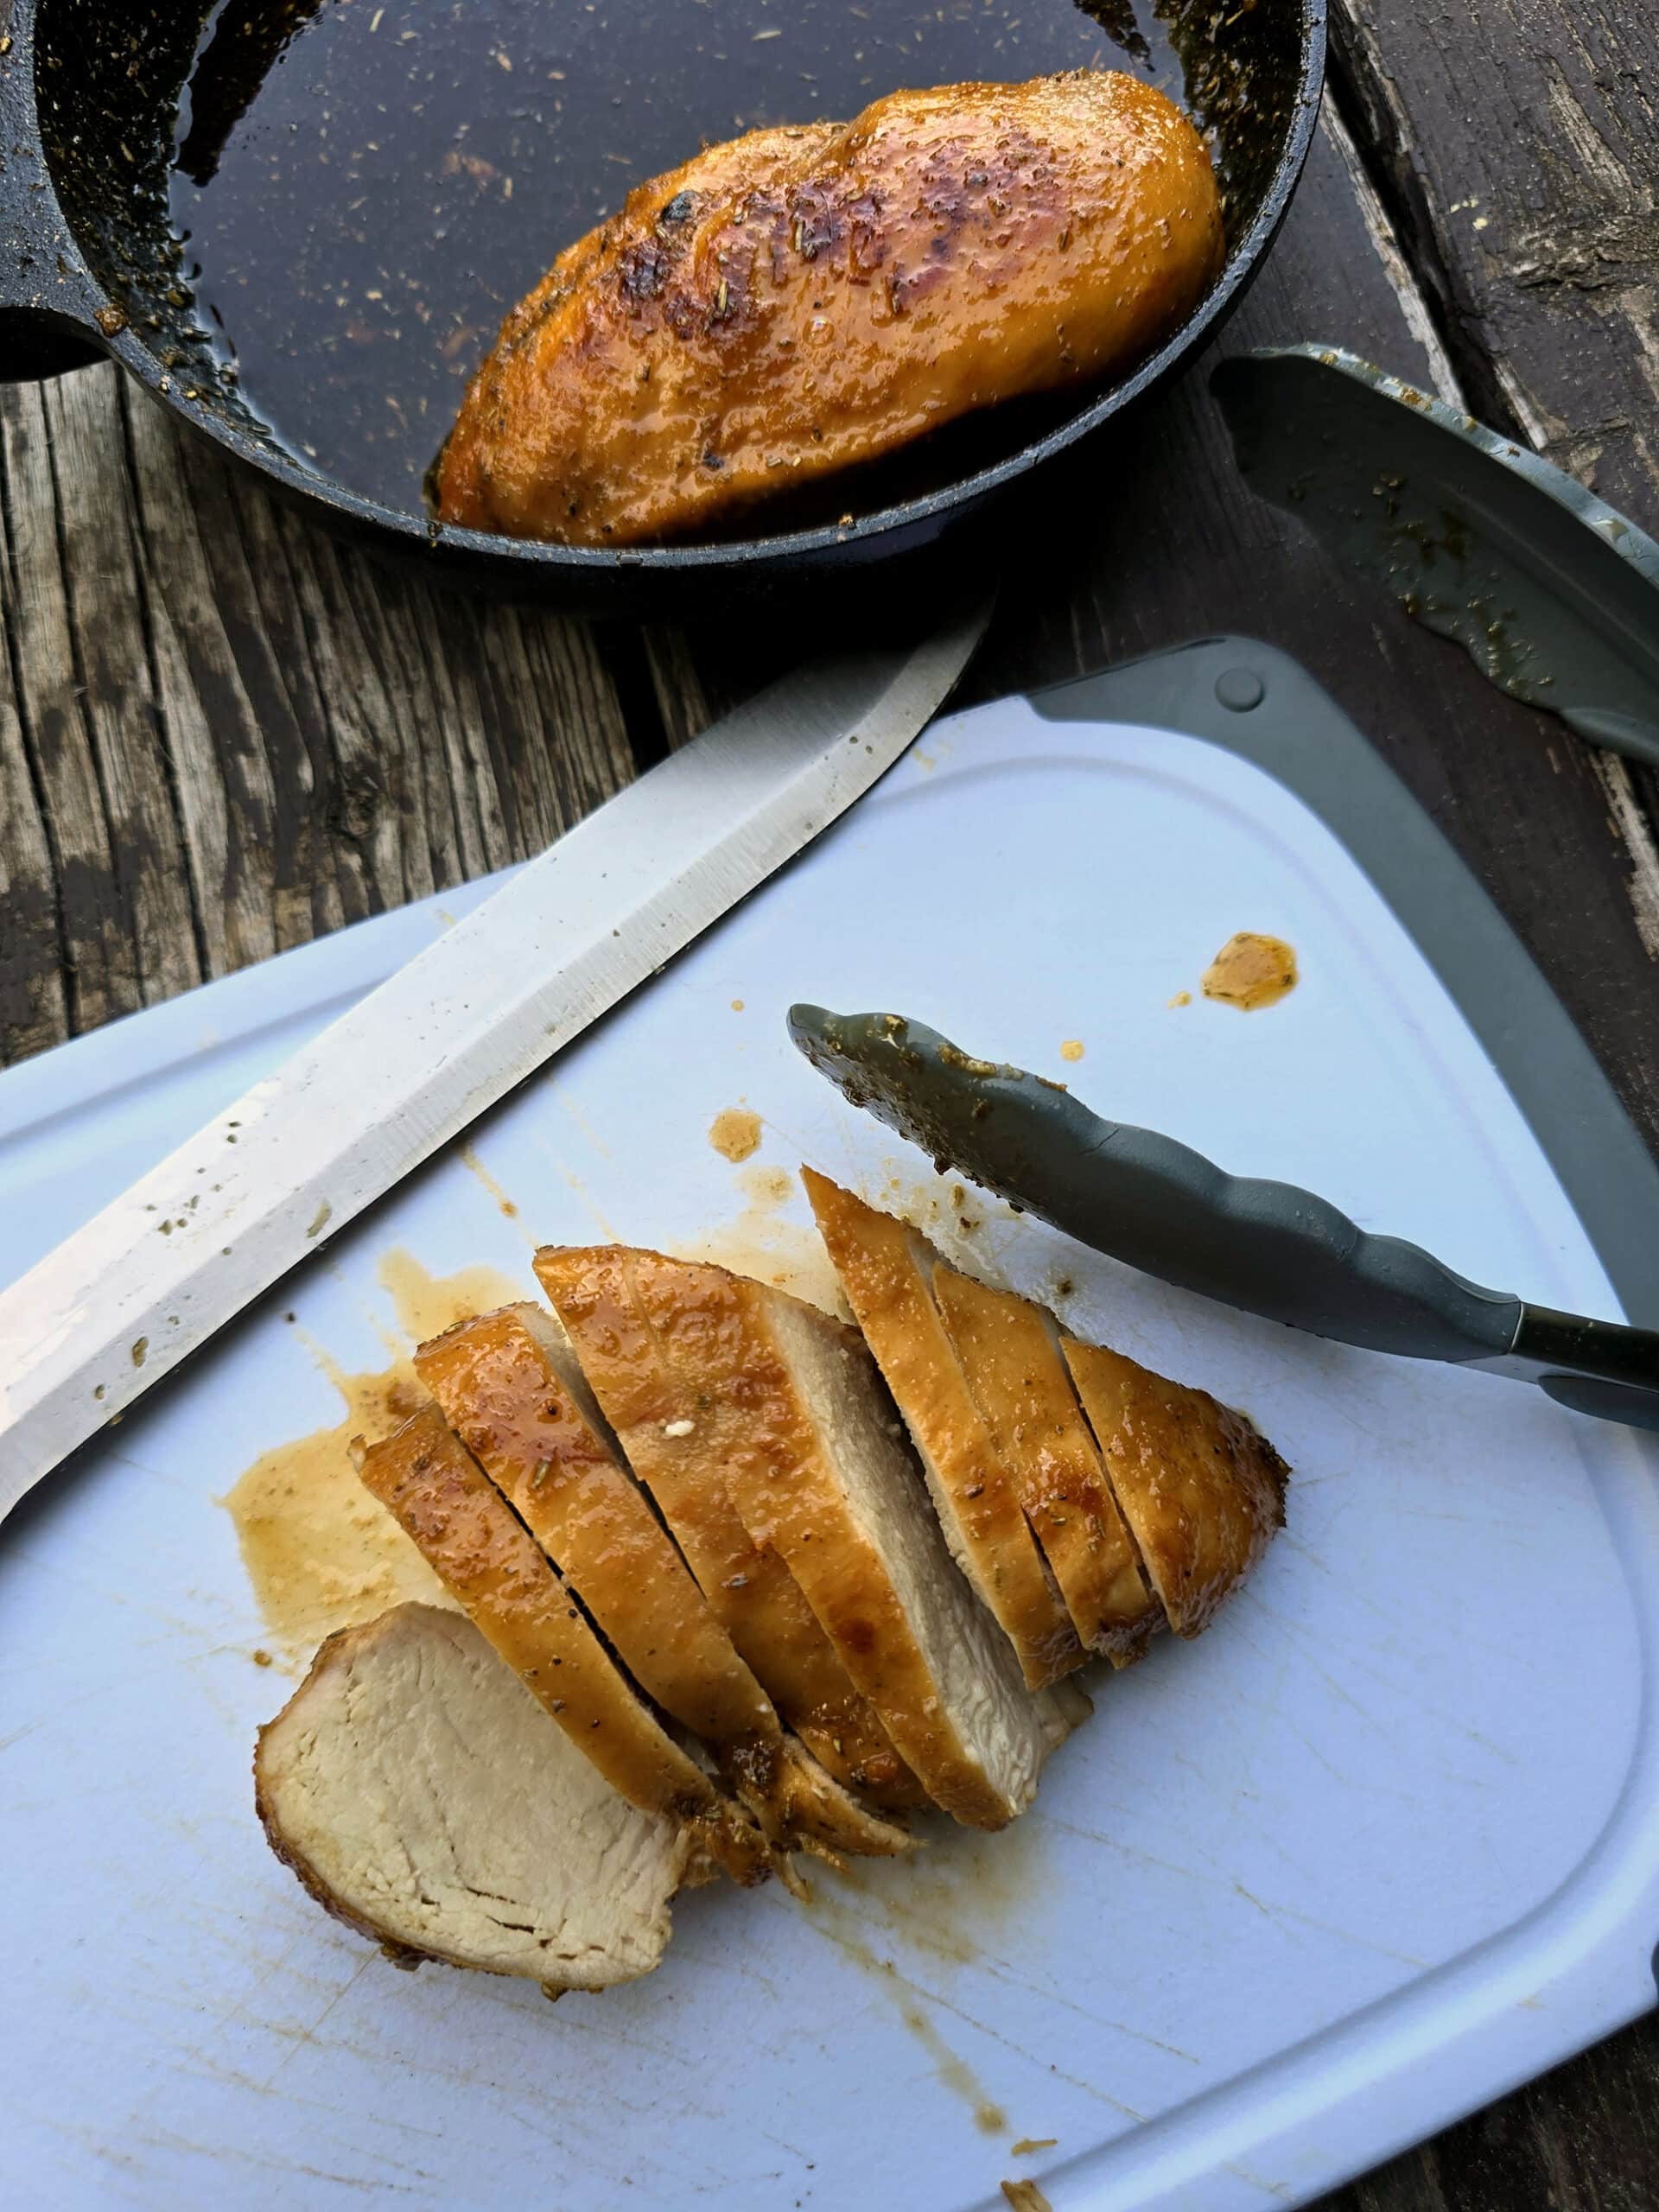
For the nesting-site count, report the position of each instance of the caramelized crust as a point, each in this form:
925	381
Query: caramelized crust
748	1355
1203	1490
797	301
505	1400
885	1269
1013	1367
442	1499
645	1381
499	1383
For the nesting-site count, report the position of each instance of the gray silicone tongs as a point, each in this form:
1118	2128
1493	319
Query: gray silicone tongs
1266	1247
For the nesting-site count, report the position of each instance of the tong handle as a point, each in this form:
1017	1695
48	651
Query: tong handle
1265	1247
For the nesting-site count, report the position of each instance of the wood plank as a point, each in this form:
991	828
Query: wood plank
222	732
1518	141
1516	144
33	1007
85	700
1583	2138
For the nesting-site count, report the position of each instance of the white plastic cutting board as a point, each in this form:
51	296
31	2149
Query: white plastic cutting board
1384	1842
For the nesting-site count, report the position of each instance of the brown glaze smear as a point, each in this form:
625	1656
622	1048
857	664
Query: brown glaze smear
955	2073
426	1304
320	1553
764	1241
968	1898
735	1134
965	1900
475	1167
1025	2196
1250	971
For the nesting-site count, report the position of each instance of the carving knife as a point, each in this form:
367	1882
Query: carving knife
123	1299
1265	1247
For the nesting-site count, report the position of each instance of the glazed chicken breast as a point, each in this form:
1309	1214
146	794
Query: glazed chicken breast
797	301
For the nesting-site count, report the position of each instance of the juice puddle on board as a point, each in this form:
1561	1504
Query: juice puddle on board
320	1552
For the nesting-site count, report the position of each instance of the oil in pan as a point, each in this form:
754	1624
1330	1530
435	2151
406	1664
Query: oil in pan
365	187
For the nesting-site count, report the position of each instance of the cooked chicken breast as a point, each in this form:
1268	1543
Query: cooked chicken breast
797	301
1201	1487
421	1793
510	1388
792	1423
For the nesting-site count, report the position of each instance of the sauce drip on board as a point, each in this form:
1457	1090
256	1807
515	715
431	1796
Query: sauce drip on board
966	1899
1251	971
735	1134
765	1242
1025	2196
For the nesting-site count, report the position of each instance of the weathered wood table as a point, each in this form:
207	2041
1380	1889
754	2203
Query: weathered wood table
221	734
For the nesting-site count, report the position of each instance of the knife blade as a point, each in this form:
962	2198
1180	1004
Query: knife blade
127	1297
1266	1247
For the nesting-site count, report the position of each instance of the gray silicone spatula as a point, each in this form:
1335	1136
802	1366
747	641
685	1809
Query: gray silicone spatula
1266	1247
1552	594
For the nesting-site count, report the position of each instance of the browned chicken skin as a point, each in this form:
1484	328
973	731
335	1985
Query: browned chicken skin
797	301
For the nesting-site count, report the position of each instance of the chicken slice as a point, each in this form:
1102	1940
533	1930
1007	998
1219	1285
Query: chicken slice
652	1402
1009	1354
887	1269
469	1535
421	1795
510	1388
1200	1486
796	301
795	1425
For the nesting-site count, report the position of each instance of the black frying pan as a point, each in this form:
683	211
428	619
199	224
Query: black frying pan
298	222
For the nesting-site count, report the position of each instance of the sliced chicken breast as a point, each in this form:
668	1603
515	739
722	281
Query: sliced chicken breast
1202	1488
1009	1351
510	1386
887	1270
794	1424
473	1540
420	1794
646	1383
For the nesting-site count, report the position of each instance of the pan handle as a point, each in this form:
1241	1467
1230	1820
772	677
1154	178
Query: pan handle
36	342
53	314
